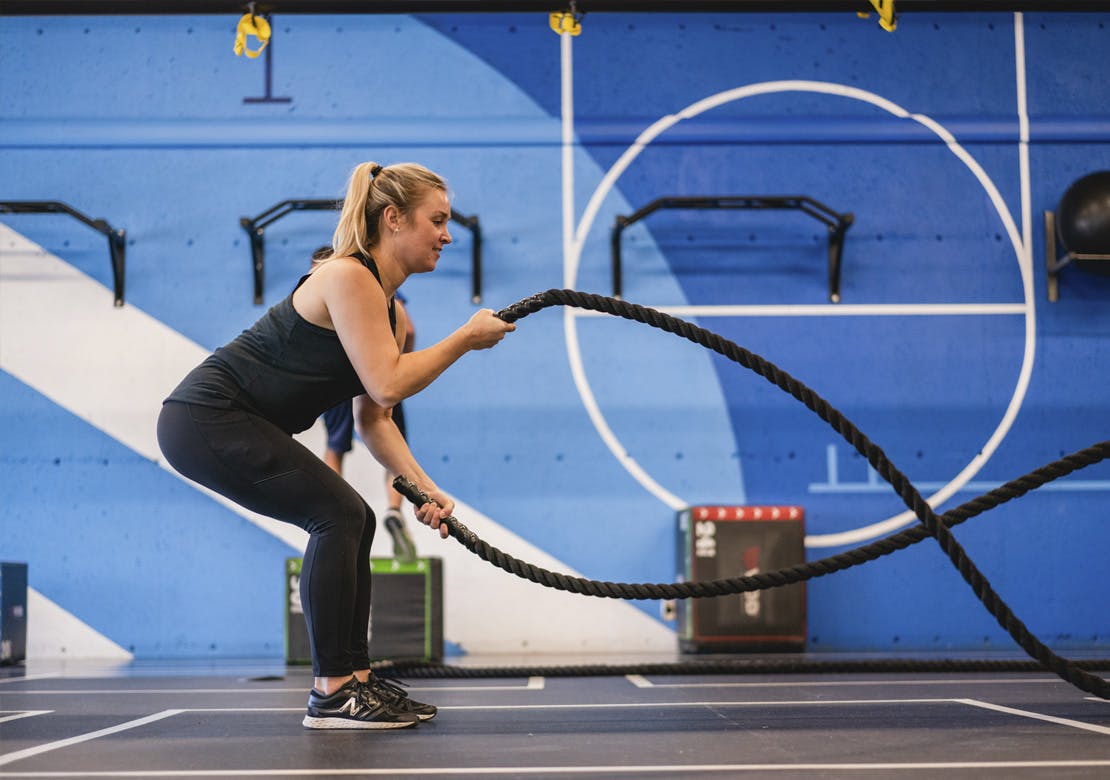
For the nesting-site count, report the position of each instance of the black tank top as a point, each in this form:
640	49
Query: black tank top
282	368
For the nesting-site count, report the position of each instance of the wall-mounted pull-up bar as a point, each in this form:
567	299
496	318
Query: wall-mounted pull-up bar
836	223
117	239
256	231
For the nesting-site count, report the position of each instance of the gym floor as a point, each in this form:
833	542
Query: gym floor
244	720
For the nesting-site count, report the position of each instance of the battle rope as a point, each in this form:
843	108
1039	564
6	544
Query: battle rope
427	670
931	524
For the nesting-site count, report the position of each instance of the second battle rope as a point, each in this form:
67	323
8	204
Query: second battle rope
931	524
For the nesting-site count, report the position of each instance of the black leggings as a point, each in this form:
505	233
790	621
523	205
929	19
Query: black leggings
260	467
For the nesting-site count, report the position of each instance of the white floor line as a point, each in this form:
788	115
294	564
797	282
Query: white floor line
676	704
30	677
533	684
618	705
247	709
173	691
17	714
7	758
604	770
641	682
1077	724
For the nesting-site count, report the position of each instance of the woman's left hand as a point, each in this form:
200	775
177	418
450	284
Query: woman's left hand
433	514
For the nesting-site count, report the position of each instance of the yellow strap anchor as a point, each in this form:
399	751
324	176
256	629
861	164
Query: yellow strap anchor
568	21
887	18
251	25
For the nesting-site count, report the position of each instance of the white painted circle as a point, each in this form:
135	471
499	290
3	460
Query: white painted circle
1021	251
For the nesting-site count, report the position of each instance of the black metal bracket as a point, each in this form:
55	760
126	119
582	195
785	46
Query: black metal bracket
269	73
836	223
1054	263
117	238
256	232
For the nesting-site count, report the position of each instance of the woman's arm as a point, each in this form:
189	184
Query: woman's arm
356	307
376	429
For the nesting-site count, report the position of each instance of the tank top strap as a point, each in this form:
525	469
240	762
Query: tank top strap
368	261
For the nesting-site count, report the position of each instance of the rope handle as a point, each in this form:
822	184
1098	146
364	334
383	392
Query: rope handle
419	498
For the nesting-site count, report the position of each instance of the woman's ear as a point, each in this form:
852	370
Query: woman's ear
393	218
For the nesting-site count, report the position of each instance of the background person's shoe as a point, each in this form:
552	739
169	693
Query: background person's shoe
404	549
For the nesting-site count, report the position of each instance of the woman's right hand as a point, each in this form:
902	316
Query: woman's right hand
485	329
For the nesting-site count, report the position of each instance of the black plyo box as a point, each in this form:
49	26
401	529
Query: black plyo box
13	613
723	542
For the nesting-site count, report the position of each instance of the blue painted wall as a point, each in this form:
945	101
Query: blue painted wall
144	121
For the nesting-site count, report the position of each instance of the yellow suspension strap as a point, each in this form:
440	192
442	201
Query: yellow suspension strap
888	20
567	21
251	25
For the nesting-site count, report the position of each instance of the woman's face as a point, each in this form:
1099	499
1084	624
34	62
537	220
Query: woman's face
423	233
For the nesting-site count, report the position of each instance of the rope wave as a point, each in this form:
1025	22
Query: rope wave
931	524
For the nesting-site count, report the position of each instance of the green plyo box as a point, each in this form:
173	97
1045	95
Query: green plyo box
406	611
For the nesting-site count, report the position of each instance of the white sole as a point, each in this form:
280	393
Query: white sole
310	722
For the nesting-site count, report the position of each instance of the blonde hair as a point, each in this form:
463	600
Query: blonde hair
370	190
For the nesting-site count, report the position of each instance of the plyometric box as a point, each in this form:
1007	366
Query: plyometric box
723	542
13	613
406	611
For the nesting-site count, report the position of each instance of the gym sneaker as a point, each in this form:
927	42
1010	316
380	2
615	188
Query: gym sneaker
393	695
353	706
404	549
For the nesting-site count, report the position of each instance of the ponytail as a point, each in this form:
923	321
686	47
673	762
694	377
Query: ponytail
351	236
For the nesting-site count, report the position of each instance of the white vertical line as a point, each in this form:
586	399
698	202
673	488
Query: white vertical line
535	684
1023	137
7	758
831	466
1019	68
571	249
567	61
1077	724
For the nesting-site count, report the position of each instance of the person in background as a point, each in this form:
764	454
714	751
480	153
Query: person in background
340	424
229	424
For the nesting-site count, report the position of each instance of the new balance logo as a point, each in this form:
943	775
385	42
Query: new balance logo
351	706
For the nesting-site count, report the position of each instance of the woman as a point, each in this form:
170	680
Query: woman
229	424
